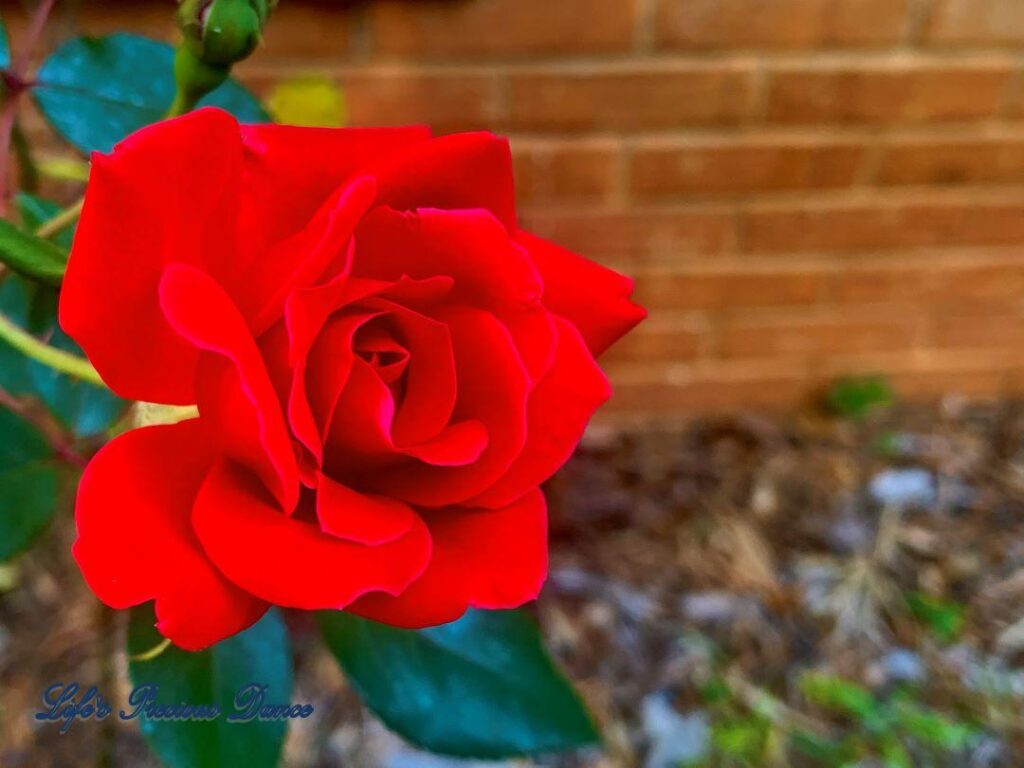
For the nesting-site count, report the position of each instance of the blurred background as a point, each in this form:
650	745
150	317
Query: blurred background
802	188
794	537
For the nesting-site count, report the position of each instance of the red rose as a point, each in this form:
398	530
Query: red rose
386	368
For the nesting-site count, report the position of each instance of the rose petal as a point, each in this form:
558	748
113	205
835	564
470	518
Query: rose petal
557	413
493	389
492	559
168	193
593	298
292	563
471	246
430	385
327	370
462	170
306	312
360	427
135	541
291	171
233	388
489	269
457	445
300	260
360	517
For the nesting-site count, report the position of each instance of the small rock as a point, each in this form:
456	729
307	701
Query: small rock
674	739
904	666
912	487
849	534
711	607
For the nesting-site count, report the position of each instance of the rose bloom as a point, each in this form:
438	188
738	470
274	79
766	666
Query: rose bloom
386	368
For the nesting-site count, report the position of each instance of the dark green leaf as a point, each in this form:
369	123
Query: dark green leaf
483	686
97	90
28	484
30	255
259	655
83	407
35	210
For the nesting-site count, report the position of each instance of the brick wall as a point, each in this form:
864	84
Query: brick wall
802	188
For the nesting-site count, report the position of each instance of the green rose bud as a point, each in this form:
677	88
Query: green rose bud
222	32
216	34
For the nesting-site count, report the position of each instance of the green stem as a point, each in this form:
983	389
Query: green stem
58	359
181	104
193	79
61	221
152	653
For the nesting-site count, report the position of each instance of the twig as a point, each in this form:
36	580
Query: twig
46	424
61	220
32	34
19	63
58	359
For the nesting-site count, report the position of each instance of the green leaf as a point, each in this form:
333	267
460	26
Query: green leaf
838	695
831	751
95	91
84	408
856	398
5	46
894	754
483	686
260	655
30	255
944	618
312	101
34	211
933	729
741	739
28	484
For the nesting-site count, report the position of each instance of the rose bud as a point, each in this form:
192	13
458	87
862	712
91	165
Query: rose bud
222	32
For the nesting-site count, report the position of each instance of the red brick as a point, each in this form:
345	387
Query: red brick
821	333
491	28
697	24
662	169
953	161
154	19
630	97
639	235
974	22
895	92
304	31
565	171
446	102
934	282
980	328
712	386
662	339
848	226
731	287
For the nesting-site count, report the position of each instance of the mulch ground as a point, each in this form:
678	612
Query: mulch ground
699	579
